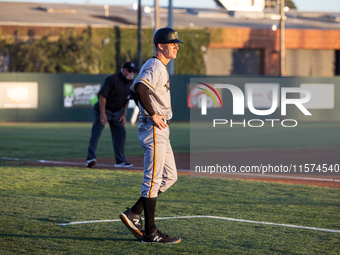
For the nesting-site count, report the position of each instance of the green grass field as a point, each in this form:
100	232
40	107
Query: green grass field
54	141
34	200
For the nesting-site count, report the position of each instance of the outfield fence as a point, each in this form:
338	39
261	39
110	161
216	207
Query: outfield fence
70	97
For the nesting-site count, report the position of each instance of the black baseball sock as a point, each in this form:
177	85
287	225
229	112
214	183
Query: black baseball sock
138	207
149	214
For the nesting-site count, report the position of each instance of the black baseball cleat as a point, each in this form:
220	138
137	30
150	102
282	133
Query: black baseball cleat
158	237
133	222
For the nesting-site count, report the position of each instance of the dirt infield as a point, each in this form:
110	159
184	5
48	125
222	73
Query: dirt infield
296	156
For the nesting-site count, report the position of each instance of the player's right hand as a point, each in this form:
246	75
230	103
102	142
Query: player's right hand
158	119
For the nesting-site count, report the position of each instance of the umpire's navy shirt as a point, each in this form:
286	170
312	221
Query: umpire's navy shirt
116	90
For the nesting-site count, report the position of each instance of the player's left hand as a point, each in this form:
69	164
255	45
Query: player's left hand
122	120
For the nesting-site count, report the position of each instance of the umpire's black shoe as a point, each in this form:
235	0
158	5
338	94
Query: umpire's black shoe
158	237
133	222
123	164
91	162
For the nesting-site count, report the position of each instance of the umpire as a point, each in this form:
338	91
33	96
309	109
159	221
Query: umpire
112	108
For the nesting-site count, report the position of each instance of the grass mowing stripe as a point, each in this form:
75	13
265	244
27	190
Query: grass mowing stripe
209	217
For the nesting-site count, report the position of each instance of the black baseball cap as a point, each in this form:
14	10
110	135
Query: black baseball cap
166	35
130	66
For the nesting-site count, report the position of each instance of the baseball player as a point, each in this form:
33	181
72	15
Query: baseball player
151	90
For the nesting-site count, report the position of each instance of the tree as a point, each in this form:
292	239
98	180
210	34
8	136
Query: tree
290	4
71	53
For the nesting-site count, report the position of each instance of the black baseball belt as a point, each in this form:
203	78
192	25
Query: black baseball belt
145	120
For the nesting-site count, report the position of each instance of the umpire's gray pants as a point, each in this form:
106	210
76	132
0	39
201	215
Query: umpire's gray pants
160	170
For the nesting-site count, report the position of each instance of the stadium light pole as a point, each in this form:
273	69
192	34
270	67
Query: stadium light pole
282	39
171	65
157	16
139	60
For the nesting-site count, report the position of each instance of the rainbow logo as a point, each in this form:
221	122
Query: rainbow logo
211	92
198	97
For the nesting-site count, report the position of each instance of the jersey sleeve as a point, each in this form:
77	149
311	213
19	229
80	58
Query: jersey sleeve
143	98
148	77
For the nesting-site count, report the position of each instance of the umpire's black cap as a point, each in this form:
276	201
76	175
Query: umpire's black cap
166	35
130	66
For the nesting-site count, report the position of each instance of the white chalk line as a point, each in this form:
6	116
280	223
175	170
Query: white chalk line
103	165
15	159
74	163
211	217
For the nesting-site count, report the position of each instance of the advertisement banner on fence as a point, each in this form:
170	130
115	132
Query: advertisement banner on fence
80	95
18	95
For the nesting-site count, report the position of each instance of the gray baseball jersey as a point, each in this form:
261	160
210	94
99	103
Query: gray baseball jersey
160	170
155	76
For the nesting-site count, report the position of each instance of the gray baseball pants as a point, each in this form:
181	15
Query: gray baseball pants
160	170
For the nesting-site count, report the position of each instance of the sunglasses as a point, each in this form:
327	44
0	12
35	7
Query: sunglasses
173	44
130	70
